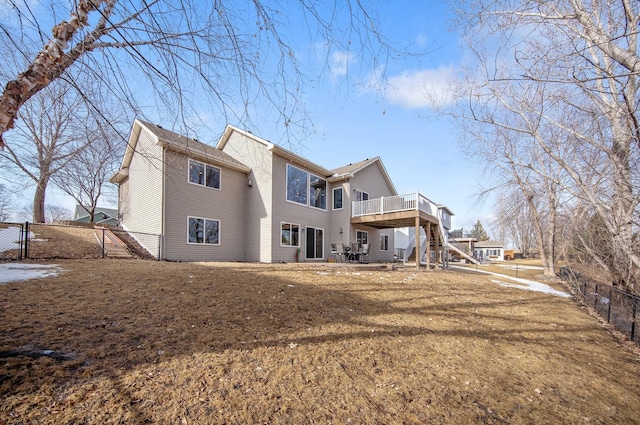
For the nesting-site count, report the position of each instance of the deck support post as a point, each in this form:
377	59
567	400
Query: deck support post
417	226
438	250
427	232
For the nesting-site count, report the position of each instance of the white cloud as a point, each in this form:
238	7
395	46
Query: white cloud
339	63
421	40
425	88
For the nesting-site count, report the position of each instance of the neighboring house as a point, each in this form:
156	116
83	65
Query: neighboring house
248	199
100	215
491	250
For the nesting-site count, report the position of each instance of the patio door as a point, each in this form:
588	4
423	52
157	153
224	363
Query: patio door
315	243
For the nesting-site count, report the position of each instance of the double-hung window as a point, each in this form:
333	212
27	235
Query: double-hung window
203	174
384	242
362	237
289	234
203	231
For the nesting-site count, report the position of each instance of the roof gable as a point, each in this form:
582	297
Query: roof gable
351	170
82	211
275	149
178	143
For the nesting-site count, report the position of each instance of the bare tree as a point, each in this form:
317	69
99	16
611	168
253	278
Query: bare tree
85	175
7	203
56	212
53	213
563	82
514	220
234	52
51	133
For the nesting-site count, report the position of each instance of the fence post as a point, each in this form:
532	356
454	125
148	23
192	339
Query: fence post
595	299
26	240
20	241
103	242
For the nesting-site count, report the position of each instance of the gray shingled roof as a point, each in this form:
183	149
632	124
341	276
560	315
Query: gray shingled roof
192	147
346	169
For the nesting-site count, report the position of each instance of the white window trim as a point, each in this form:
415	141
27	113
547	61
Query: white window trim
365	232
203	185
204	243
299	234
333	197
383	236
323	243
308	204
326	186
286	187
362	192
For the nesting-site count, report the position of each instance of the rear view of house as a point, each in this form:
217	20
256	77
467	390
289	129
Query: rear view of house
248	199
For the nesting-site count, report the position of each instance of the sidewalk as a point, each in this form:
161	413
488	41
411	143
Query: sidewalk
525	284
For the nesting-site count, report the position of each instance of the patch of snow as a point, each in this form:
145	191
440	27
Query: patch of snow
533	286
519	267
9	238
525	284
14	272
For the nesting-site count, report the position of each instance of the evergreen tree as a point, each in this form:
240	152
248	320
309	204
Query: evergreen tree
478	232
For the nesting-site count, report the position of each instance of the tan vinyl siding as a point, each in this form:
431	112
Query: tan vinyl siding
376	253
372	181
184	199
258	224
292	212
340	218
141	192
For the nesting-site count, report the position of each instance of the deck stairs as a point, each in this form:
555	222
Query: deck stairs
463	254
410	251
114	247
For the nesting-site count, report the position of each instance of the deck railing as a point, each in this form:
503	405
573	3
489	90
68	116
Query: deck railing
389	204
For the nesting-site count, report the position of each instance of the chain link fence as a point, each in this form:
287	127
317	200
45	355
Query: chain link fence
19	241
11	241
617	307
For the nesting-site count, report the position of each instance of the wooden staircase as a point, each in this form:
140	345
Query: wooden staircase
432	238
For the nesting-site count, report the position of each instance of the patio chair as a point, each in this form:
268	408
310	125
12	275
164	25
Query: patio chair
337	251
334	253
353	255
364	253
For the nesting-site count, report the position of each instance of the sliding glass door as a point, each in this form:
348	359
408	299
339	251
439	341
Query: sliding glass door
315	243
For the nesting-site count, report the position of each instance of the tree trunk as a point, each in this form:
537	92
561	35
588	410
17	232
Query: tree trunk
38	200
623	207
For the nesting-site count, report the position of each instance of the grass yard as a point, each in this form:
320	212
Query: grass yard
128	342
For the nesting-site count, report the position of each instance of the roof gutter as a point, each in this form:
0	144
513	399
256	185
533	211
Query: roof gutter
296	159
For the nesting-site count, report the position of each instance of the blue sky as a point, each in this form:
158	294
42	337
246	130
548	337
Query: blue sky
360	115
419	148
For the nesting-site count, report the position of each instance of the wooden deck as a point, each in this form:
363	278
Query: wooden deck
395	219
411	210
399	211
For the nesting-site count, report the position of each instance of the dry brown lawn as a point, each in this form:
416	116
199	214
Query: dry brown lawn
127	342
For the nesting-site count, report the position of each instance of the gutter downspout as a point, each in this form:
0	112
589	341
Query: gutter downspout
161	253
